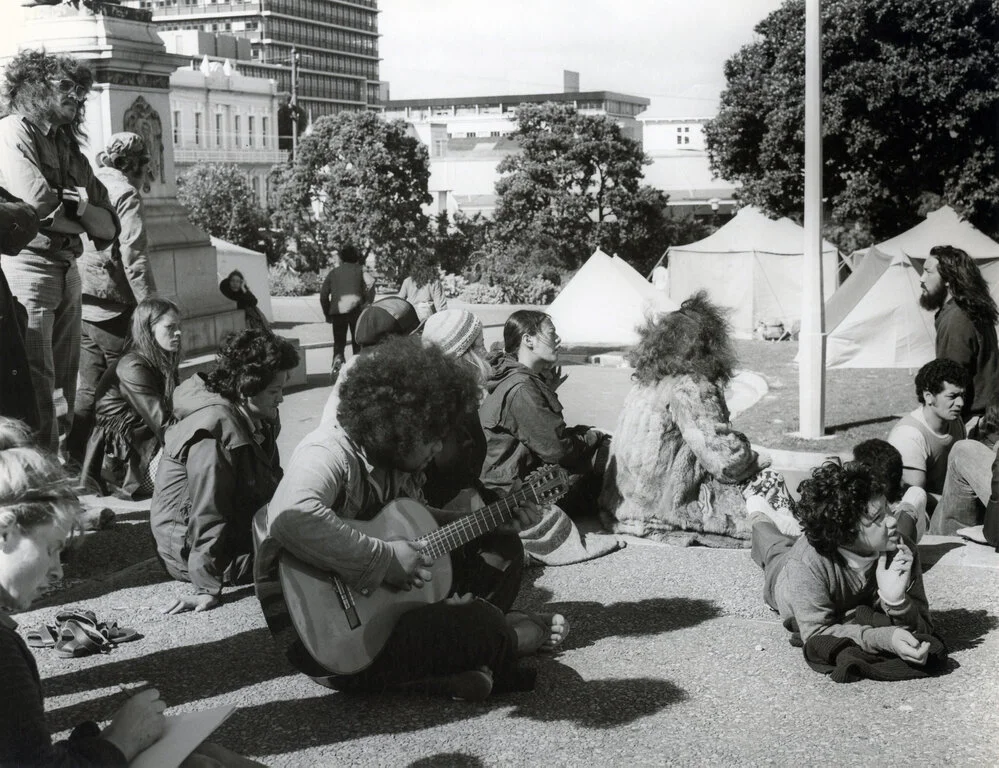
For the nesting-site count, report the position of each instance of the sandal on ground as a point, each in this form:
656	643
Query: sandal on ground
42	636
77	640
110	631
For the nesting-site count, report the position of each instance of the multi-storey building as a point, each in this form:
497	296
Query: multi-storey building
335	42
218	115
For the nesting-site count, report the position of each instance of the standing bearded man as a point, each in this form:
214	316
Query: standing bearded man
965	321
41	163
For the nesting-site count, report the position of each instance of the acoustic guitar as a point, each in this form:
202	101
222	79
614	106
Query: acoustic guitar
343	629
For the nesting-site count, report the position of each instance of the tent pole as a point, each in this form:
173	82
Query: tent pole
812	339
661	260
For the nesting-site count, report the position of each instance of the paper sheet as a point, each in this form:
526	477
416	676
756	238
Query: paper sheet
182	736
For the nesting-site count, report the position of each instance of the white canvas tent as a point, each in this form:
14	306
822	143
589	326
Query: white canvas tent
753	265
874	319
604	303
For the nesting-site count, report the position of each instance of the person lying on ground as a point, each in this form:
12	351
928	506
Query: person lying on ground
134	404
395	408
885	464
817	581
220	464
677	467
925	436
38	515
522	415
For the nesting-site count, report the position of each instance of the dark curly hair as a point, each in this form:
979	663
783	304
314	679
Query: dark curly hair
885	464
935	374
833	500
966	284
694	341
402	393
247	362
27	86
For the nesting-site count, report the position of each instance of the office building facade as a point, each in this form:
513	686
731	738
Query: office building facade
336	43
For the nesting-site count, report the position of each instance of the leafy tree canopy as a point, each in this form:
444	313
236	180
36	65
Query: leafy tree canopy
575	186
358	179
910	111
220	200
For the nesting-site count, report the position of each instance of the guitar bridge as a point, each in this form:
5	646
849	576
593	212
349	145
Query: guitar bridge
346	602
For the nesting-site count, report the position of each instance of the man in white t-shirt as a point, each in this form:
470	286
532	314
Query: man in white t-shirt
925	436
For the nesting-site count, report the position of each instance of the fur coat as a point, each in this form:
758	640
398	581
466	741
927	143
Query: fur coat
676	465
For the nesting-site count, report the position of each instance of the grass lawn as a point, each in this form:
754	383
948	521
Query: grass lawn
860	403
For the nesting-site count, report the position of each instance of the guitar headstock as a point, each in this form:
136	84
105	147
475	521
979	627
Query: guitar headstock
545	484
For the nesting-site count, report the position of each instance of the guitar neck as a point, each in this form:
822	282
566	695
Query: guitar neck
456	534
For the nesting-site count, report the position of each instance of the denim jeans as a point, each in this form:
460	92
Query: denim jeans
101	346
967	488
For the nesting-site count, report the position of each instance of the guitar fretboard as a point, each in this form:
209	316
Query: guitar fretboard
449	537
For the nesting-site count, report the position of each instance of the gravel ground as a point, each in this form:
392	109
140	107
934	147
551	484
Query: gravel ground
672	659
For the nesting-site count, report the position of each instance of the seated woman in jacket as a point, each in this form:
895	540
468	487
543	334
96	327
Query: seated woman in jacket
678	469
234	288
132	404
522	415
220	464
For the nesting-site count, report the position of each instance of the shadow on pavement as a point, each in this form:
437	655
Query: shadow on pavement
963	629
930	554
184	674
448	760
591	622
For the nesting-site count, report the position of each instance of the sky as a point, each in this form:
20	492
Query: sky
670	51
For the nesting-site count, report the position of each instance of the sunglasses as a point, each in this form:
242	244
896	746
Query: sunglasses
68	86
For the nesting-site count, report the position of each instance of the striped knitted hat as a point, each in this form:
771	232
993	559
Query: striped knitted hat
453	330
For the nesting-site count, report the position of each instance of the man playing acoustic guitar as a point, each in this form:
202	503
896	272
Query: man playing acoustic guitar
395	408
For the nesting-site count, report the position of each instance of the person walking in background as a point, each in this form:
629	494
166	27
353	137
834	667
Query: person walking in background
234	288
18	226
114	280
42	164
423	290
134	404
965	321
344	294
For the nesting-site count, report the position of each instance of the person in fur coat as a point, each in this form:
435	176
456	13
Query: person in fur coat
677	468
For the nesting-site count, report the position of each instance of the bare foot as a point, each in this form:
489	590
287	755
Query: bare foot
538	632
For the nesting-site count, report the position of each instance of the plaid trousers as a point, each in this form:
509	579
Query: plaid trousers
49	287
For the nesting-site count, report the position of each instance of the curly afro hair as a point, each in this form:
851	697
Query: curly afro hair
833	500
27	85
694	341
247	362
402	393
885	464
936	374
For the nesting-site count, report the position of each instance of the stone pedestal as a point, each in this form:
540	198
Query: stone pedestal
132	93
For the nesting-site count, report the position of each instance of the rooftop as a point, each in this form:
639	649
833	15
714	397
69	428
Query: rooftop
530	98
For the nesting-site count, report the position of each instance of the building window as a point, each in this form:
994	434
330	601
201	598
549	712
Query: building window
249	129
218	129
263	131
494	133
679	139
176	127
236	137
255	183
197	129
440	147
686	139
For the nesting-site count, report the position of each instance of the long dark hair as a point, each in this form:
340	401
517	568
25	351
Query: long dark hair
27	87
965	282
146	315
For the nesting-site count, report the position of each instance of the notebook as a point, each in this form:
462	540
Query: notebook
182	736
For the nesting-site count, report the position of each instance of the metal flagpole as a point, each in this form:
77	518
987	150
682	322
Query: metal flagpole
812	338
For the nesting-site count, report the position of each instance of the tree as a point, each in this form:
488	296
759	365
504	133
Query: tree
910	108
219	199
575	185
458	239
357	179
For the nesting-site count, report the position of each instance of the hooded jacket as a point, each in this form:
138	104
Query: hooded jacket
215	473
522	419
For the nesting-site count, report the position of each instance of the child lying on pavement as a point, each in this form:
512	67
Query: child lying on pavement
841	562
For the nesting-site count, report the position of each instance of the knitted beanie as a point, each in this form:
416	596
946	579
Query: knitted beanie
453	330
